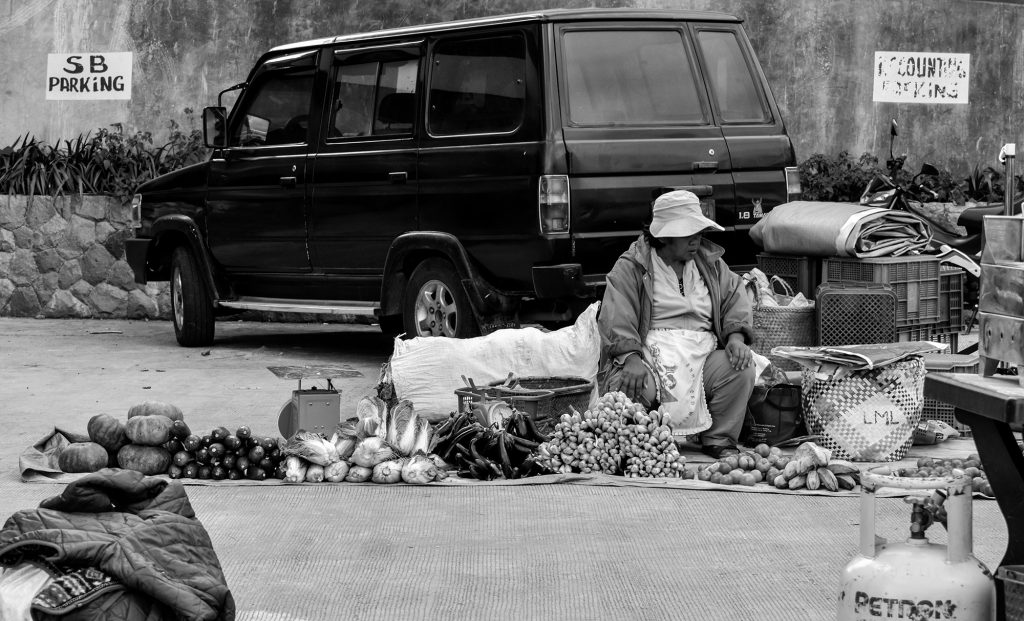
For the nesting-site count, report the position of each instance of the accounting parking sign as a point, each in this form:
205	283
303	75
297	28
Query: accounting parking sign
89	75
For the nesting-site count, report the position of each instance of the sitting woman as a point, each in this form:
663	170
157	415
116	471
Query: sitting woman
675	326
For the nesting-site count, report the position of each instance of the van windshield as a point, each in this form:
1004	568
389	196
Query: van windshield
639	77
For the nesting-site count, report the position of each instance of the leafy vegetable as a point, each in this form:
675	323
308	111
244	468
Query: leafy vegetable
358	474
345	438
371	451
388	471
315	473
419	470
336	472
312	447
295	469
370	411
424	438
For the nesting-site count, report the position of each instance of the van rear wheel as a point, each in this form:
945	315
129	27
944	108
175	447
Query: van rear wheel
191	306
436	303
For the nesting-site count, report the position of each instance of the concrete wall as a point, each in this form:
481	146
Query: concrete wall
817	54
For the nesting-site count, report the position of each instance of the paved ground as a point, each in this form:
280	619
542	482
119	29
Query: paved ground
467	552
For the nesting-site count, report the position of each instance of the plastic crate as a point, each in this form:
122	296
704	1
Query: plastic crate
951	297
915	279
1013	590
939	334
934	409
802	273
852	315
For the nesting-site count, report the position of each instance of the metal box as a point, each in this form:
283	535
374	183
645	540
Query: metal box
316	410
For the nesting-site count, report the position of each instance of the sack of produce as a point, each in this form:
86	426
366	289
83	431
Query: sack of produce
428	370
866	415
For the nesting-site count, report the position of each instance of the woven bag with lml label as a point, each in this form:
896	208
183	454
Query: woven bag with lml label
866	415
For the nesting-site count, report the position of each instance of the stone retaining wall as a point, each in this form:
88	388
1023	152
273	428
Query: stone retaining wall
64	257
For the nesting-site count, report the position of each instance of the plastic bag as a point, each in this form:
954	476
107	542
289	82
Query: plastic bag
774	415
933	432
18	586
763	291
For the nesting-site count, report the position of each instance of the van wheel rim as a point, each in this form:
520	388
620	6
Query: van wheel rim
435	311
176	300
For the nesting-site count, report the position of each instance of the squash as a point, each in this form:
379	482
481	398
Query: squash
144	459
152	430
150	408
82	457
107	431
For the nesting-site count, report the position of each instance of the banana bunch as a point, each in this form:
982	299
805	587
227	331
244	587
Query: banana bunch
812	467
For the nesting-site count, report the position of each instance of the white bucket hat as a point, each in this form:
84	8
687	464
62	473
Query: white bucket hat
678	214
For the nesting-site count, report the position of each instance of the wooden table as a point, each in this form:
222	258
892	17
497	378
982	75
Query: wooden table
990	405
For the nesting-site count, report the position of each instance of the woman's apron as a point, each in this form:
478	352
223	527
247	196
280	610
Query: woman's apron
677	358
677	345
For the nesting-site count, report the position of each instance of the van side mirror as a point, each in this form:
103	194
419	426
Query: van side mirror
215	122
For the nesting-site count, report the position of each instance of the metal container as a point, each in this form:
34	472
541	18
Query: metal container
917	579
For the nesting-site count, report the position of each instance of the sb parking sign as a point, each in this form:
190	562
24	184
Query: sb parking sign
89	75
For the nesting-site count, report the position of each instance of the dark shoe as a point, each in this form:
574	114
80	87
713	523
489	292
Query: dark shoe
719	451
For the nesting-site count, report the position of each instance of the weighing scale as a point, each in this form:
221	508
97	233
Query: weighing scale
313	409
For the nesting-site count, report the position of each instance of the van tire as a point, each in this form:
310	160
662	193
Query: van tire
436	303
191	306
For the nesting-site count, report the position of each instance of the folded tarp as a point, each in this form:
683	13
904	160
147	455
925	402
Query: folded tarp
809	228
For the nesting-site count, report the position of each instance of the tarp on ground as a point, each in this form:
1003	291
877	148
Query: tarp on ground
36	470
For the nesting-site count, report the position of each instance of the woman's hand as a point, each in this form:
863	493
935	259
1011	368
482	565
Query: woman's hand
633	378
738	352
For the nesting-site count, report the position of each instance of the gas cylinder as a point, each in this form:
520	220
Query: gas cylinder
918	579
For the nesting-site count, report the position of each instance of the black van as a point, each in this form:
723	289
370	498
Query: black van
453	178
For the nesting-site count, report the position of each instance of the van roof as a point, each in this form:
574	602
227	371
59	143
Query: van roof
550	15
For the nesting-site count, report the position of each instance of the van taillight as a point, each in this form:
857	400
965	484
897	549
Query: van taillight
793	188
136	214
553	204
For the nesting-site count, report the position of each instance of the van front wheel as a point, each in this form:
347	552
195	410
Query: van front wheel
191	306
436	303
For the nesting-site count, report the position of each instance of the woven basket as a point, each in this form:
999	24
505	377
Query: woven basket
867	415
788	326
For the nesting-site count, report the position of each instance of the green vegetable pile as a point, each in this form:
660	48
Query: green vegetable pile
615	436
490	451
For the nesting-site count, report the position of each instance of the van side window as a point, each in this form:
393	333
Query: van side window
353	100
396	98
374	98
739	98
477	86
276	111
630	78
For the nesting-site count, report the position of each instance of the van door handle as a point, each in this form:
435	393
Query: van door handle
705	165
287	182
398	177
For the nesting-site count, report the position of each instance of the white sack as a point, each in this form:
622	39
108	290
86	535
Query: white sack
427	370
